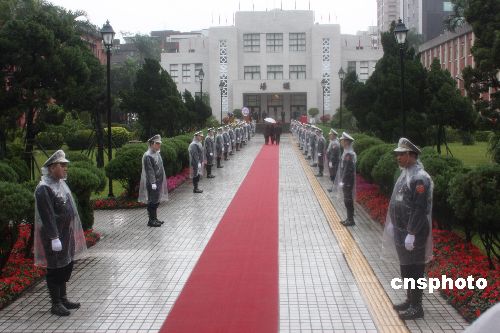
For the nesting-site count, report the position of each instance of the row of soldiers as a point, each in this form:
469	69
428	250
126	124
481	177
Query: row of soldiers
339	155
207	152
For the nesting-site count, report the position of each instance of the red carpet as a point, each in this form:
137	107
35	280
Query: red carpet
234	285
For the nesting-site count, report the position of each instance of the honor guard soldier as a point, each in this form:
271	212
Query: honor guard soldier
219	146
313	141
209	152
232	139
237	134
408	227
195	150
227	143
345	180
333	155
153	186
59	238
320	148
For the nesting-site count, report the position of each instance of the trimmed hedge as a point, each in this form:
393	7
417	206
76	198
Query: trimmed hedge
385	172
49	140
363	143
119	136
81	139
20	168
369	158
7	173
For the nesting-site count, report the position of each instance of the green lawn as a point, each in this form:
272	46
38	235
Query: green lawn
471	156
117	186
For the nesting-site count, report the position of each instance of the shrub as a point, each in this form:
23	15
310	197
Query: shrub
369	158
325	119
83	179
494	147
171	163
475	197
453	135
7	174
17	206
126	167
49	140
182	151
384	172
20	168
482	136
74	156
15	150
313	112
119	136
467	138
428	151
212	122
363	143
442	169
80	139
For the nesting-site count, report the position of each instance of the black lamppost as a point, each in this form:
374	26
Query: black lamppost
400	32
323	85
201	76
108	34
221	87
341	77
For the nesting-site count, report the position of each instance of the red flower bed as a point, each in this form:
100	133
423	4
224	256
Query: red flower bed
452	257
124	202
19	273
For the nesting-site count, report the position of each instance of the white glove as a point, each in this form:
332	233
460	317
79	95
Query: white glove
211	154
341	184
56	245
330	164
320	154
409	240
153	187
199	165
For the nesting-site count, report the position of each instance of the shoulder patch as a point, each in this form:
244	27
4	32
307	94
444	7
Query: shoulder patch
420	189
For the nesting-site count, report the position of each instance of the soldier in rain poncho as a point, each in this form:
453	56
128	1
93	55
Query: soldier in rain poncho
333	155
345	180
153	186
209	152
59	238
195	150
219	146
408	227
320	151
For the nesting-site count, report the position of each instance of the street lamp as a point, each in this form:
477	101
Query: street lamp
108	34
221	87
400	32
341	77
323	85
201	76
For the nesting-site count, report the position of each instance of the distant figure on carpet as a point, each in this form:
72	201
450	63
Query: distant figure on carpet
283	116
345	180
333	155
408	226
59	238
209	152
153	185
195	150
277	132
267	132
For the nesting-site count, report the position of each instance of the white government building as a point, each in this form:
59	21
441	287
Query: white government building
271	62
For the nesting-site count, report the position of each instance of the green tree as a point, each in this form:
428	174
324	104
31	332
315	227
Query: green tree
156	101
446	106
44	60
148	47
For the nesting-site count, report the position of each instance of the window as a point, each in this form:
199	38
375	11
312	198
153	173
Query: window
297	72
298	42
186	73
363	70
251	72
253	100
351	66
197	68
274	43
251	42
274	72
174	72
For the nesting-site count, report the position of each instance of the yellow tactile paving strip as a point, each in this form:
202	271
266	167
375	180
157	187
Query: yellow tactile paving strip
379	305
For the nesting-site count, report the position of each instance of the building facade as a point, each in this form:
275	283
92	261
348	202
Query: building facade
276	63
387	11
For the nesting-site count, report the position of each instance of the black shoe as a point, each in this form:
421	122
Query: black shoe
220	166
158	221
196	190
412	313
59	310
319	175
348	223
330	190
315	165
210	176
153	223
402	306
68	304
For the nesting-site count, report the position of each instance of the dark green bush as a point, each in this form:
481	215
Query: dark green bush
7	173
83	179
15	150
119	136
475	197
384	172
369	158
428	151
171	163
74	156
363	143
482	136
18	205
494	147
182	151
80	139
453	135
467	138
126	167
20	168
49	140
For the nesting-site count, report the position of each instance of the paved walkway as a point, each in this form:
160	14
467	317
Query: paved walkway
133	276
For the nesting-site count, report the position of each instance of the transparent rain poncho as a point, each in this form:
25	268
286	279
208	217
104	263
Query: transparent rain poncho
152	173
195	151
409	211
56	216
346	169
